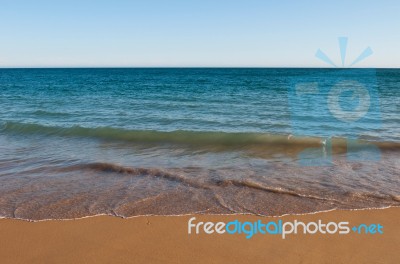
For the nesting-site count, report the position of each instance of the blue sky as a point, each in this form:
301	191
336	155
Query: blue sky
215	33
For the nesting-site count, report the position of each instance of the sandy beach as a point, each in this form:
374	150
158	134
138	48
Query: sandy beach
160	239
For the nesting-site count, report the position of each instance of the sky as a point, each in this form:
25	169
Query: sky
196	33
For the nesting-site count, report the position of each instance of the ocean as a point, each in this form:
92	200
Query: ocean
173	141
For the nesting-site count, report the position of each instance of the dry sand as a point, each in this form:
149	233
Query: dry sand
159	239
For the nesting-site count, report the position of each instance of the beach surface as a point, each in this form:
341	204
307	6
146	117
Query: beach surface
165	239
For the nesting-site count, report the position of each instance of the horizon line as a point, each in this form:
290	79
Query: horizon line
189	67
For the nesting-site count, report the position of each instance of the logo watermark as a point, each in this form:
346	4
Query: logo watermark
281	228
336	102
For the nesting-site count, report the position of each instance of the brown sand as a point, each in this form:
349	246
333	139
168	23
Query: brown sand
158	239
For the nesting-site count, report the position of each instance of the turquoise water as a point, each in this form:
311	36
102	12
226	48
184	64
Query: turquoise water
78	142
229	100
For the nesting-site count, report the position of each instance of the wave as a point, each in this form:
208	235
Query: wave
153	172
173	191
199	138
215	182
176	177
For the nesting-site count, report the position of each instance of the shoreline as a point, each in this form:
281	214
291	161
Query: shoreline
165	239
199	214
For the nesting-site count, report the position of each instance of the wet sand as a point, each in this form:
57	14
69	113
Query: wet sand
160	239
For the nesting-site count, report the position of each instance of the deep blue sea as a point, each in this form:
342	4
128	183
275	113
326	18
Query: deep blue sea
166	141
